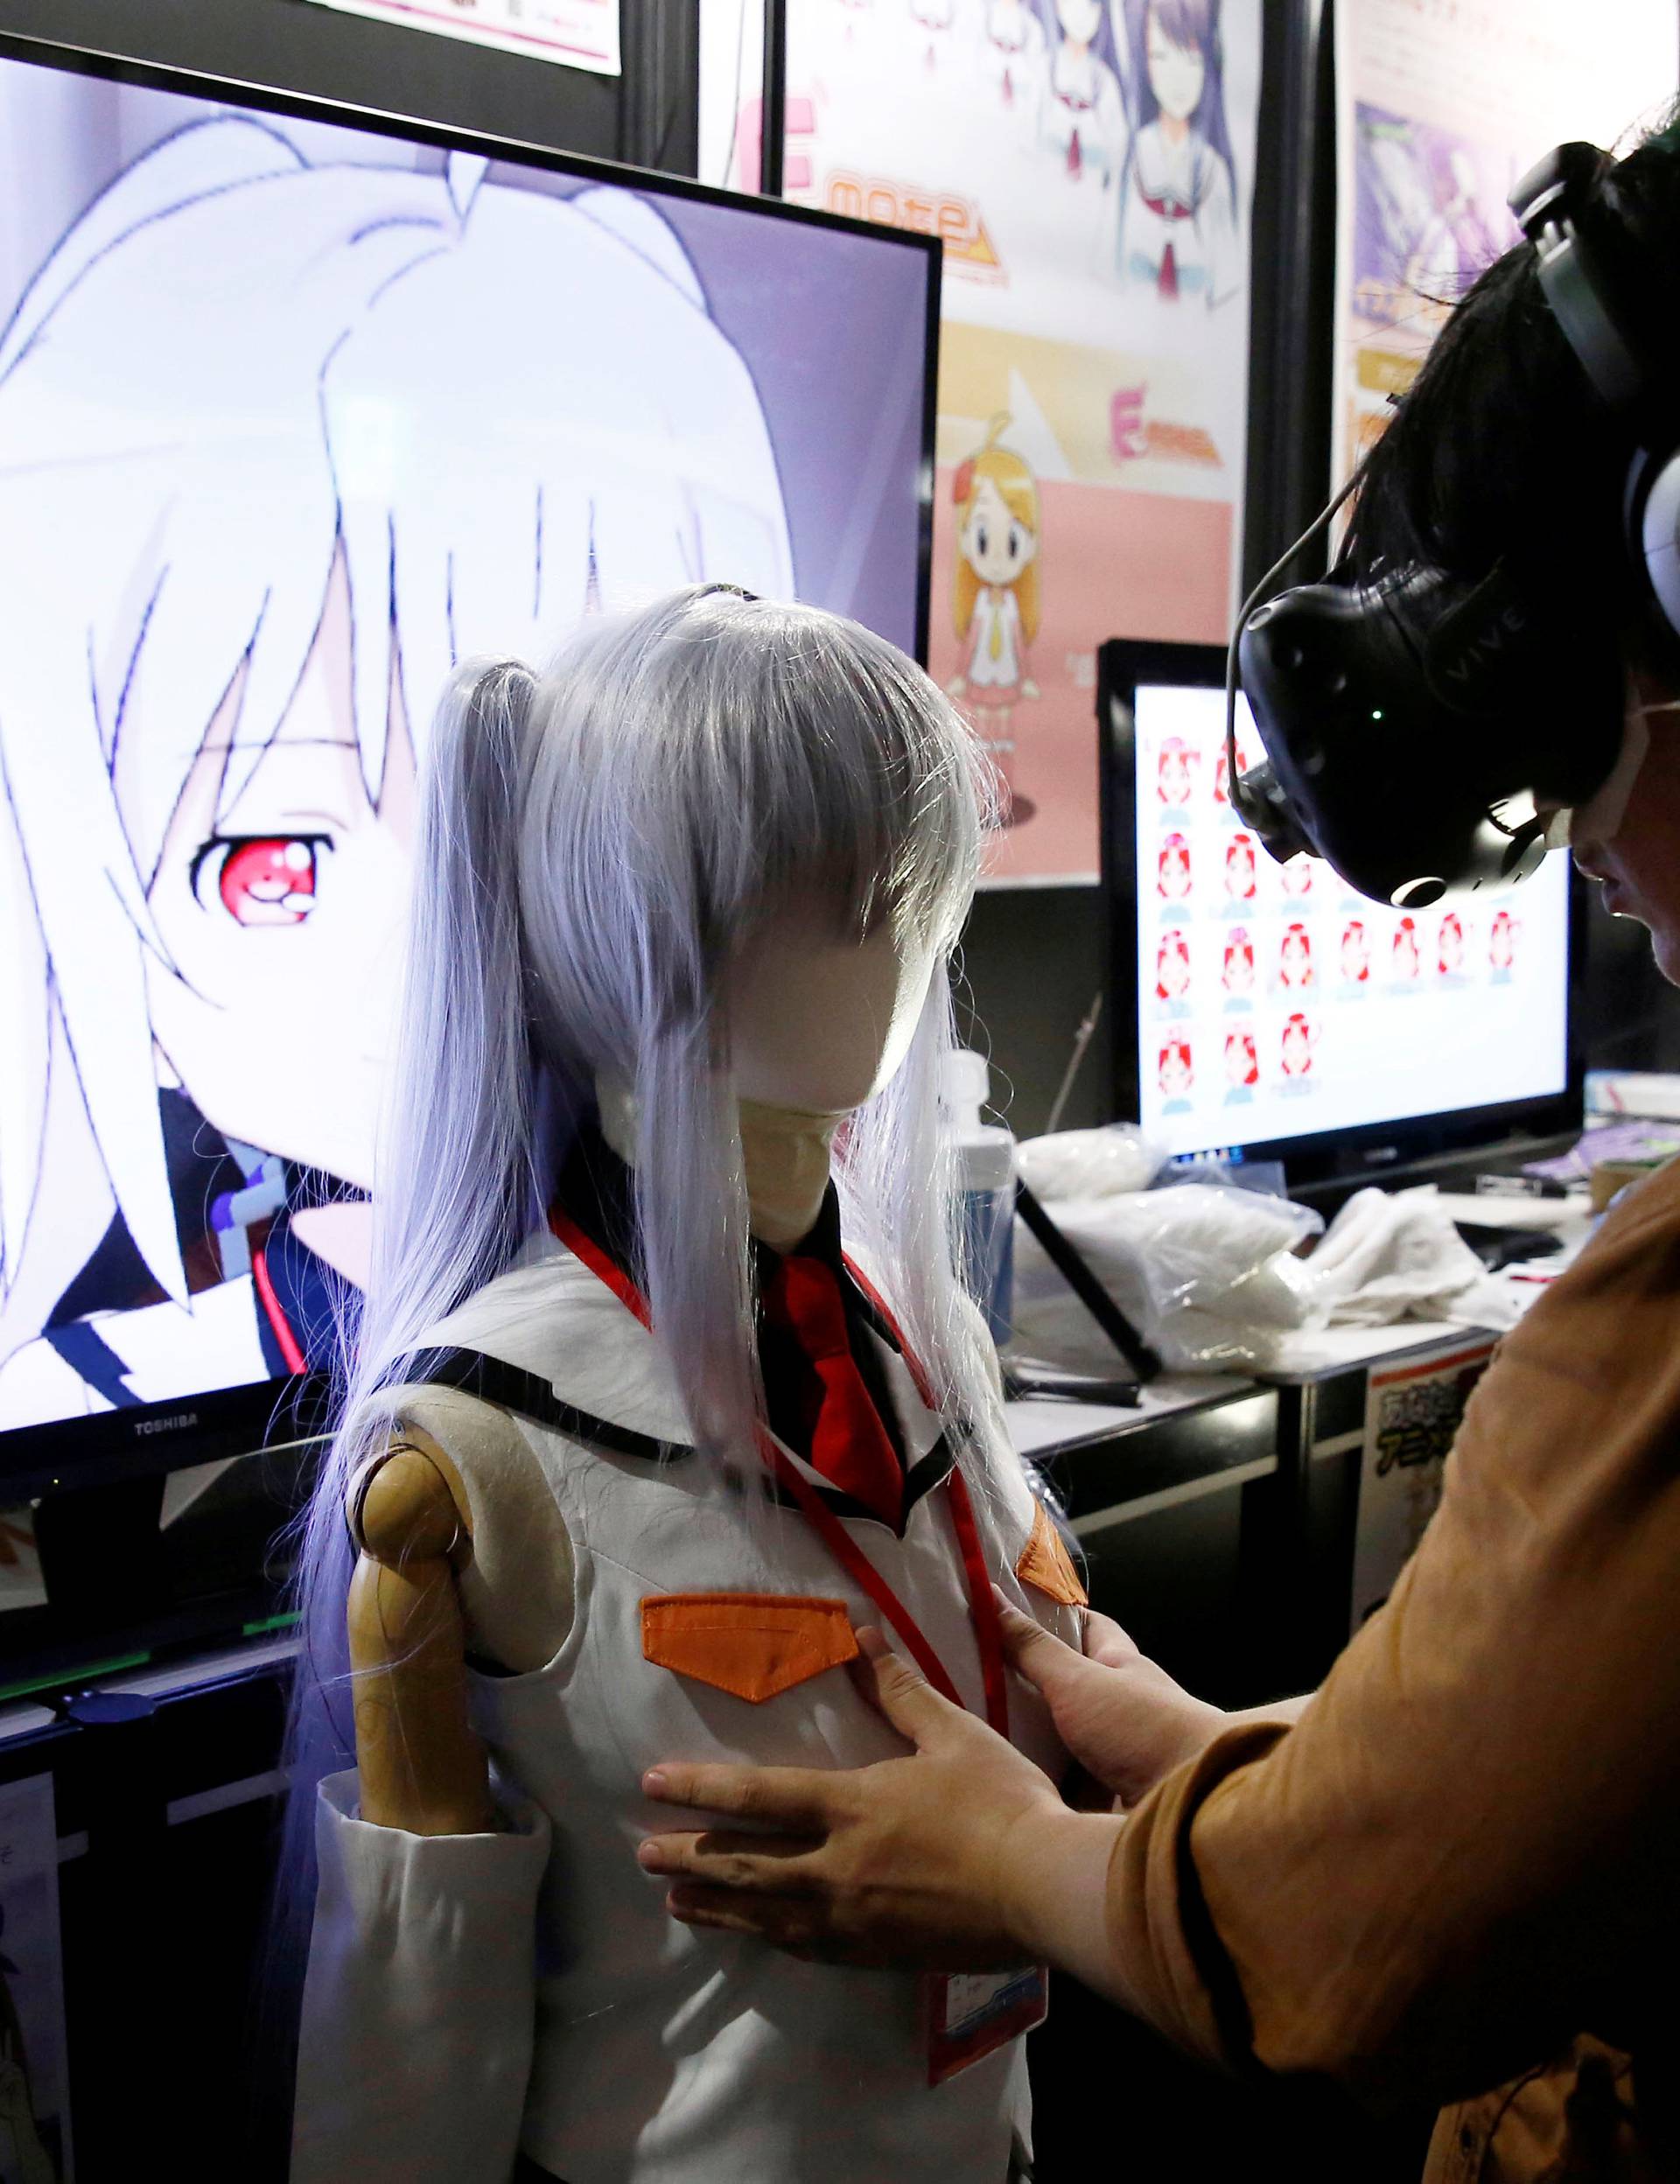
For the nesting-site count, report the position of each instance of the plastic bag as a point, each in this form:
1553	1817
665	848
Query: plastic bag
1206	1274
1084	1164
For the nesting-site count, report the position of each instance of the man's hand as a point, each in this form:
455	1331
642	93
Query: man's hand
1123	1719
947	1860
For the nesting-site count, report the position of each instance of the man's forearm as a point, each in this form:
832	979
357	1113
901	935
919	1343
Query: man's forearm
1055	1886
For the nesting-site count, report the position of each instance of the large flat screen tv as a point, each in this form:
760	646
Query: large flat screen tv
298	406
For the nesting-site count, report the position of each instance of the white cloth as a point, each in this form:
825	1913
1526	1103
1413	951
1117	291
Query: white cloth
1392	1255
657	2054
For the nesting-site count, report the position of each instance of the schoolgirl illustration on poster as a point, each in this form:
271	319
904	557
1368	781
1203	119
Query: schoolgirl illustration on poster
1011	58
246	528
1178	228
1082	111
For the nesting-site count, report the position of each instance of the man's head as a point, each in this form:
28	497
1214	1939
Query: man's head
1502	455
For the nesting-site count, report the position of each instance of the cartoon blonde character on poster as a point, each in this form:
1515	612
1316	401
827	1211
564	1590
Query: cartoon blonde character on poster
250	515
1177	211
995	605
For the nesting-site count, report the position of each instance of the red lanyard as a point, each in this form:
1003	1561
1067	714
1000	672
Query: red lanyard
982	1608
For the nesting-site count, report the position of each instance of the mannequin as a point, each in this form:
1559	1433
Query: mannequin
812	1018
673	1016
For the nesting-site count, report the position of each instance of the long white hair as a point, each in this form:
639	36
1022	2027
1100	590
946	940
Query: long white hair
235	369
594	845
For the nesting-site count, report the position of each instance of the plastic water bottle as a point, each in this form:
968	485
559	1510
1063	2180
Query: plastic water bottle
985	1159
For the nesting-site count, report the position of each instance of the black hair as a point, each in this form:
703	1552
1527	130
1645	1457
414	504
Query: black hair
1502	450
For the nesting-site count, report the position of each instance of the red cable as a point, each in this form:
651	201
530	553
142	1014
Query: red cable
264	1283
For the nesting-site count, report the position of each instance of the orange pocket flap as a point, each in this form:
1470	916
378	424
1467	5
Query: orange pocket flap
751	1644
1046	1564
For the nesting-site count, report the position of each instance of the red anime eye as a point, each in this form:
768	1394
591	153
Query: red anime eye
265	880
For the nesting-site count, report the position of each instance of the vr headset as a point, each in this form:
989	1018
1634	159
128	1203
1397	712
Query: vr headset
1412	726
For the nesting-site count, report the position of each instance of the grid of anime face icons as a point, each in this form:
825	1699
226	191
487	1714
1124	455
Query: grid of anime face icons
1249	967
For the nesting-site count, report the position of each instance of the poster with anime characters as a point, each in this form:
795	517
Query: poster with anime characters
292	419
1355	955
1438	112
1236	974
1405	957
1089	166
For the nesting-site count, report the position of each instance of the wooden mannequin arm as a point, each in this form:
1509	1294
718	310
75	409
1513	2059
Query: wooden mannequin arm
421	1767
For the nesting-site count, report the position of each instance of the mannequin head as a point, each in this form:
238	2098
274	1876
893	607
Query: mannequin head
819	1021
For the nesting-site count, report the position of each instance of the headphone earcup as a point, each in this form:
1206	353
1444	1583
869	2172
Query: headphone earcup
1651	519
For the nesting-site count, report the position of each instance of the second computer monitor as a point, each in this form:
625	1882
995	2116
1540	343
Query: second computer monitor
1267	1006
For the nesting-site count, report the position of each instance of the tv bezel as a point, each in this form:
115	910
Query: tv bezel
101	1447
1369	1152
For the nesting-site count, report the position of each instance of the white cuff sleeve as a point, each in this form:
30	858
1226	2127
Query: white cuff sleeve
419	2003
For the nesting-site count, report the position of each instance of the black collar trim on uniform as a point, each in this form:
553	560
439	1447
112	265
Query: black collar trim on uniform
528	1396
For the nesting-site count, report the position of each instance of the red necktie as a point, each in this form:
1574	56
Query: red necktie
850	1445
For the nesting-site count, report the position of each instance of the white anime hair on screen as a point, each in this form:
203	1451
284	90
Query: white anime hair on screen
497	407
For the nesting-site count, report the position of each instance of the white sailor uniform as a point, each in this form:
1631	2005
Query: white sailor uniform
468	1997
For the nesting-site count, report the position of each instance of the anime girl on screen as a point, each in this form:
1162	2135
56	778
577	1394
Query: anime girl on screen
279	443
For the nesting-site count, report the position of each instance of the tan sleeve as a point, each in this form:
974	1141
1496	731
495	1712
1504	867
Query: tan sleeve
516	1589
1467	1849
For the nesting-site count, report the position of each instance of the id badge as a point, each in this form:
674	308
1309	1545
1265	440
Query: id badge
972	2015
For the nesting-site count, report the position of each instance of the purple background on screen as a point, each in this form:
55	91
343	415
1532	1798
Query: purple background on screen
832	325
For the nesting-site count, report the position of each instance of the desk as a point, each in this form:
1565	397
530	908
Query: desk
1183	1514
